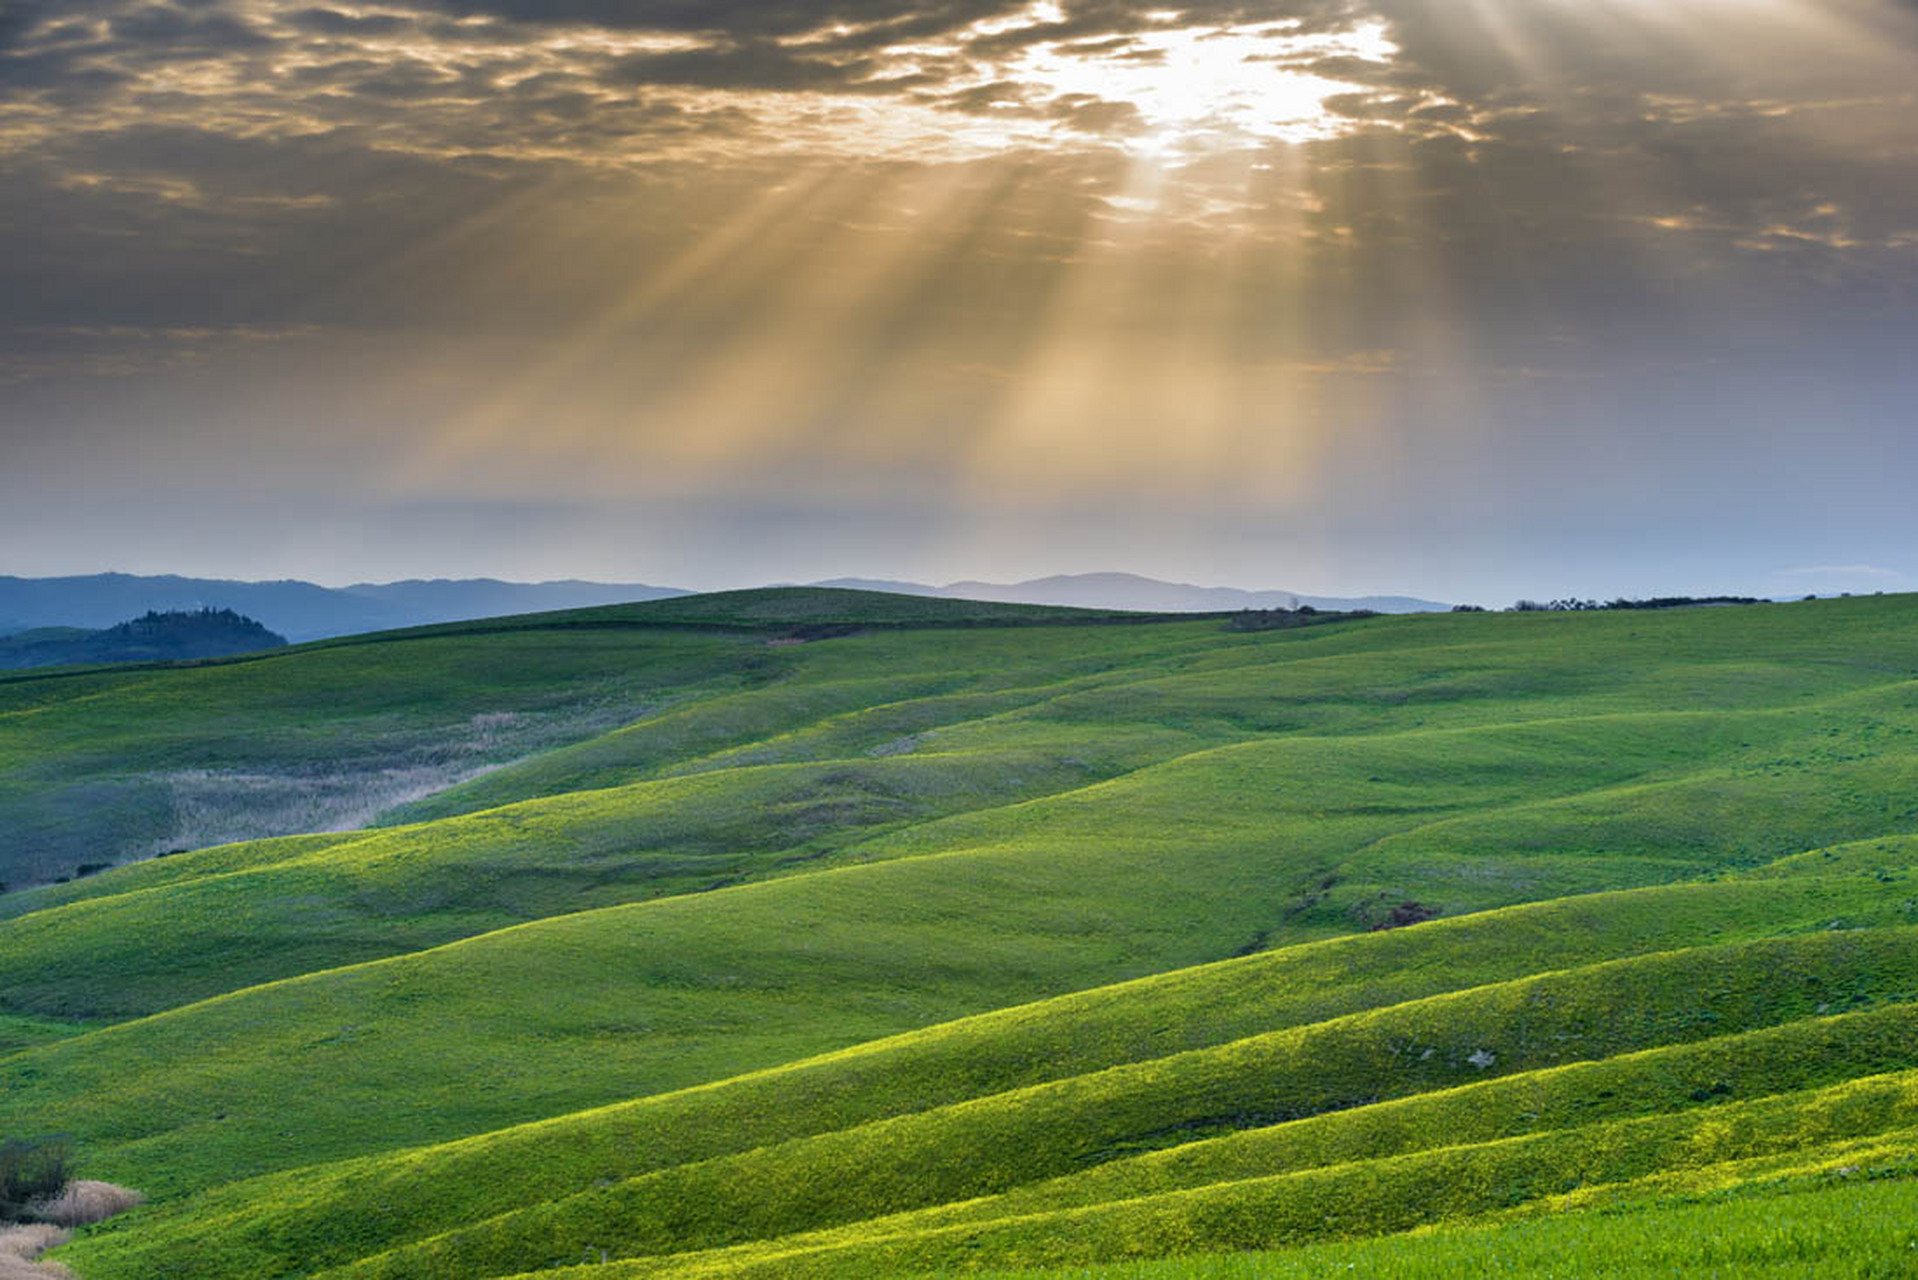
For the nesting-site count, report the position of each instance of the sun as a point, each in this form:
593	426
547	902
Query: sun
1163	89
1198	88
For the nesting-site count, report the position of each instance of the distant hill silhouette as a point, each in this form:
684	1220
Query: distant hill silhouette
154	637
1131	591
307	611
298	610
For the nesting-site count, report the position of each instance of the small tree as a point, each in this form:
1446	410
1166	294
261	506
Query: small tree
1405	914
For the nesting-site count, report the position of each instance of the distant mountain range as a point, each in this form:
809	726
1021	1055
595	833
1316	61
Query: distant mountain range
306	611
154	637
297	610
1130	591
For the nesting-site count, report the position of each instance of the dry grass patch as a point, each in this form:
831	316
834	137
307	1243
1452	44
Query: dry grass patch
82	1203
20	1246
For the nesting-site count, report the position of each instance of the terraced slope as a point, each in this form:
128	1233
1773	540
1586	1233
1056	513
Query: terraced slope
925	945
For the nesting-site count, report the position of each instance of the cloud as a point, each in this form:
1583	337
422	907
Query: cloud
760	18
178	31
1466	242
337	22
1089	113
1585	183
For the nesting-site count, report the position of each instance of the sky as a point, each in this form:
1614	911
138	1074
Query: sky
1470	299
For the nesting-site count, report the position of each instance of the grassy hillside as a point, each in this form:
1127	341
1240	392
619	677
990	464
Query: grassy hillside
100	766
104	765
1846	1224
864	935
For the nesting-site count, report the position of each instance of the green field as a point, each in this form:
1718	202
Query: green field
800	933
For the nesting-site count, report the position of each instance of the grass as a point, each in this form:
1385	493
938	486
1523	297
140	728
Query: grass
1850	1226
1069	1142
314	1212
1357	1198
935	939
103	766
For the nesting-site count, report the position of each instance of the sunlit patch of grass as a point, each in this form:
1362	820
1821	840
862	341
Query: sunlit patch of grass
1853	1222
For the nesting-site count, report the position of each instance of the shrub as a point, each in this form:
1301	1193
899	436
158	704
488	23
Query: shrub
30	1170
1406	913
1281	619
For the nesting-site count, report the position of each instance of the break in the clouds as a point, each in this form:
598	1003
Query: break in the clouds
1462	296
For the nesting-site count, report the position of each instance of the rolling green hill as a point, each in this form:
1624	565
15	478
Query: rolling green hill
813	933
104	766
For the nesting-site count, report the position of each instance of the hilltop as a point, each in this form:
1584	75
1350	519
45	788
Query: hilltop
807	933
1141	594
301	610
307	611
154	637
407	715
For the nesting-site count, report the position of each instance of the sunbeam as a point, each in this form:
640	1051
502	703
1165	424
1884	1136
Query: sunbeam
1312	270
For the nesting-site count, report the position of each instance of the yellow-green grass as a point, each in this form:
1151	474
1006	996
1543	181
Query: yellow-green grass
777	610
683	989
21	1031
283	908
93	763
1846	1212
151	873
289	906
1355	1198
694	722
935	824
1686	1076
100	748
1339	1072
361	1206
858	694
851	697
1337	828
